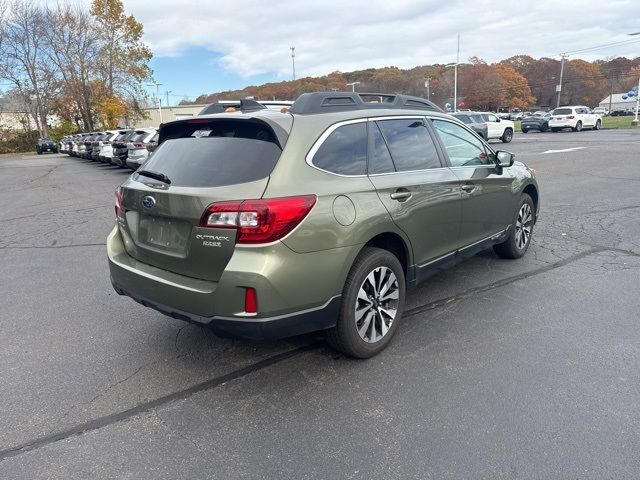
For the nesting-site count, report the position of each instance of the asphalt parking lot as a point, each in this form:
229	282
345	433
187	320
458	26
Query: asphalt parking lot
501	369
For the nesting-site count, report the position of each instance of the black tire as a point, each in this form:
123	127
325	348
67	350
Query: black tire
544	128
525	130
597	125
39	152
510	248
344	337
507	135
578	127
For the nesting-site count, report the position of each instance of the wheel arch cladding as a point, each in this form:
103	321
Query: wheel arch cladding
395	244
533	193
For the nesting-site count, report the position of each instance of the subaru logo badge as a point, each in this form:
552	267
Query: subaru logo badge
149	201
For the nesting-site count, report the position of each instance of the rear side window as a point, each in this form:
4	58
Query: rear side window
216	154
410	144
344	151
463	118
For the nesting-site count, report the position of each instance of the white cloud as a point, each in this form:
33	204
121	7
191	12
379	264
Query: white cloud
253	37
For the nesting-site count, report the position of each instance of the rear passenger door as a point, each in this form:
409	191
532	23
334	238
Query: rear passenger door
487	192
421	195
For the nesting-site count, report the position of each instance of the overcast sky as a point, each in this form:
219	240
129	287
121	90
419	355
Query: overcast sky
208	46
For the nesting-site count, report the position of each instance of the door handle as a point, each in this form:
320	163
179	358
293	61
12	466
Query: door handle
401	196
468	187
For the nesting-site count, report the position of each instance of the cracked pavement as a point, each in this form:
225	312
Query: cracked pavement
501	369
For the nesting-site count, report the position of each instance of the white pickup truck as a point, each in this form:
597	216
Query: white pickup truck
575	118
498	127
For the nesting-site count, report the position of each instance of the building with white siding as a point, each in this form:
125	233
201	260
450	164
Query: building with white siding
169	114
618	103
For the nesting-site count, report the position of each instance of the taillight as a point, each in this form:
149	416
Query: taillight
259	221
118	200
571	117
138	145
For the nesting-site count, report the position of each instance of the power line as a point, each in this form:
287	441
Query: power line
605	45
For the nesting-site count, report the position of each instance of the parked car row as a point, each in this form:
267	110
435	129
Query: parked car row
123	148
574	117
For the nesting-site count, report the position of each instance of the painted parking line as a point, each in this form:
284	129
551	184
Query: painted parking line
573	149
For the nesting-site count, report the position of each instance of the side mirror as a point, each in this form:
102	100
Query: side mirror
498	119
504	159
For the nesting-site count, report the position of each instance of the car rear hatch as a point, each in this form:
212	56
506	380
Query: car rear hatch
120	144
561	114
196	164
137	145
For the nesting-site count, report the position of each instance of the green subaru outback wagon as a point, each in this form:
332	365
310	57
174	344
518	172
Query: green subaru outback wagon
267	224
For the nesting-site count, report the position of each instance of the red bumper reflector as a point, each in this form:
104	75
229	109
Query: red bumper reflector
250	300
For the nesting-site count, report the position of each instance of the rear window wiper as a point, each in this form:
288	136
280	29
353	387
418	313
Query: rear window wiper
155	175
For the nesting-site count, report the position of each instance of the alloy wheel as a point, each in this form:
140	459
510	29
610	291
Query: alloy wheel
377	304
524	224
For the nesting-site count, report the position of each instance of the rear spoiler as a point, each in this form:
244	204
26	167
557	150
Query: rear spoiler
185	127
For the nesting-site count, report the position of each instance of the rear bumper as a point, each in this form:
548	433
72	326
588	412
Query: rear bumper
135	161
264	328
297	293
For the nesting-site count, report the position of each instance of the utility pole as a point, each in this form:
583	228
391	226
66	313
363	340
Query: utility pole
559	86
426	84
293	61
610	89
455	77
167	92
157	85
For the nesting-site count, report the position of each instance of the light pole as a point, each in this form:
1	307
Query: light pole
157	85
455	76
559	86
634	122
353	85
293	61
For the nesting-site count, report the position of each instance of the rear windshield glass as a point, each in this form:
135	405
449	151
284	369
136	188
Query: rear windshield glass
463	118
216	154
562	111
128	136
138	137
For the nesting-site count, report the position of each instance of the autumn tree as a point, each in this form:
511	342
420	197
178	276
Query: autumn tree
583	83
123	59
514	88
77	47
23	55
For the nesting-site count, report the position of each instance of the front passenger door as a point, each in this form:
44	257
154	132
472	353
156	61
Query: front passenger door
487	192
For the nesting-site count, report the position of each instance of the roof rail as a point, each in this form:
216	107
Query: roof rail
244	105
323	102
